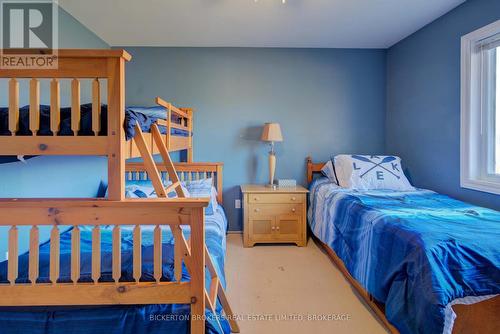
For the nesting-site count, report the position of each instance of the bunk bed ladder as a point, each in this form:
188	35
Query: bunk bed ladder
182	246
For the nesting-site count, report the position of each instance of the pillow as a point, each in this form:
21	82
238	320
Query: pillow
204	188
155	112
367	172
195	188
145	189
329	171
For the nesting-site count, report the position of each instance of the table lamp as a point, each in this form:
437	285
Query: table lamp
271	133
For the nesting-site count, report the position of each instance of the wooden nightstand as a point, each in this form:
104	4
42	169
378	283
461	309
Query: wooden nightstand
274	216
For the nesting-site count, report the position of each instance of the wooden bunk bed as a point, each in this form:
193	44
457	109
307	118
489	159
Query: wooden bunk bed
481	317
115	210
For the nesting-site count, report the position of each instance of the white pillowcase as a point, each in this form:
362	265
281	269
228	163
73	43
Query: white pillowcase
368	172
329	172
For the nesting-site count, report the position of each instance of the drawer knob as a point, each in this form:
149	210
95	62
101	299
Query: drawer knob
294	198
256	209
255	198
277	228
273	228
293	210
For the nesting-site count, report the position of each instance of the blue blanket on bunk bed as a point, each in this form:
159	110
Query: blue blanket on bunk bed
414	251
133	319
145	117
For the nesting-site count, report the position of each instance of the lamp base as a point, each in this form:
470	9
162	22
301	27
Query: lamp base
273	186
272	167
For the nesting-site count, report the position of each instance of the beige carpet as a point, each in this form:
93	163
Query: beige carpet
287	289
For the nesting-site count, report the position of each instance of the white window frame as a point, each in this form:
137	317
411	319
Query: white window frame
476	133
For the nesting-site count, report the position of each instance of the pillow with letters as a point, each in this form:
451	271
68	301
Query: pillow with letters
370	172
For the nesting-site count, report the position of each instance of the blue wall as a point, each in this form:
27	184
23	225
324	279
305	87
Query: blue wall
52	176
423	100
327	101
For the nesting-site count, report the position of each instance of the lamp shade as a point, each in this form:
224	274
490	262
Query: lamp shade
271	132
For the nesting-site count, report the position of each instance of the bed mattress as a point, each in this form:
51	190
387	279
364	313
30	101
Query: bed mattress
417	252
133	319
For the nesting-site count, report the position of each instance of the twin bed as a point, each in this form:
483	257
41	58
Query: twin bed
424	262
146	262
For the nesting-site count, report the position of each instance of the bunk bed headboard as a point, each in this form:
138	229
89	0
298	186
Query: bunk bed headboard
74	65
186	171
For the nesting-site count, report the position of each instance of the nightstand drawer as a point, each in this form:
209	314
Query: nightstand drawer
276	198
257	210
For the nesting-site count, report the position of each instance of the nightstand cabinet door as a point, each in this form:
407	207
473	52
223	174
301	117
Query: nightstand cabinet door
289	227
262	228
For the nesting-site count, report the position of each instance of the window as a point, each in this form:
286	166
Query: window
480	110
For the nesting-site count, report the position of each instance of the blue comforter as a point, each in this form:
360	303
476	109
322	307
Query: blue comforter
133	319
414	251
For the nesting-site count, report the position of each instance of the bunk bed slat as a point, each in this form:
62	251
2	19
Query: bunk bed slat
75	106
137	253
75	254
117	256
169	123
34	106
214	288
55	106
169	106
96	253
33	257
54	255
96	106
177	252
13	260
198	270
167	161
190	131
158	270
227	309
13	106
149	163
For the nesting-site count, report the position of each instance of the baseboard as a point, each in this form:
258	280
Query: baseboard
234	232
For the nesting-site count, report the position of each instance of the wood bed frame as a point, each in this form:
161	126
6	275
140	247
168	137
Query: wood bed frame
482	317
115	210
173	143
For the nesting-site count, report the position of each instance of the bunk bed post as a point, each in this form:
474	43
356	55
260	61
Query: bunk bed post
198	271
189	111
116	133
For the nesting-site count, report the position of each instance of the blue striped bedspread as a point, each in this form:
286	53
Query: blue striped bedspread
133	319
418	252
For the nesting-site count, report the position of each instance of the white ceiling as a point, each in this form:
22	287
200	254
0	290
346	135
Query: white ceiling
261	23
